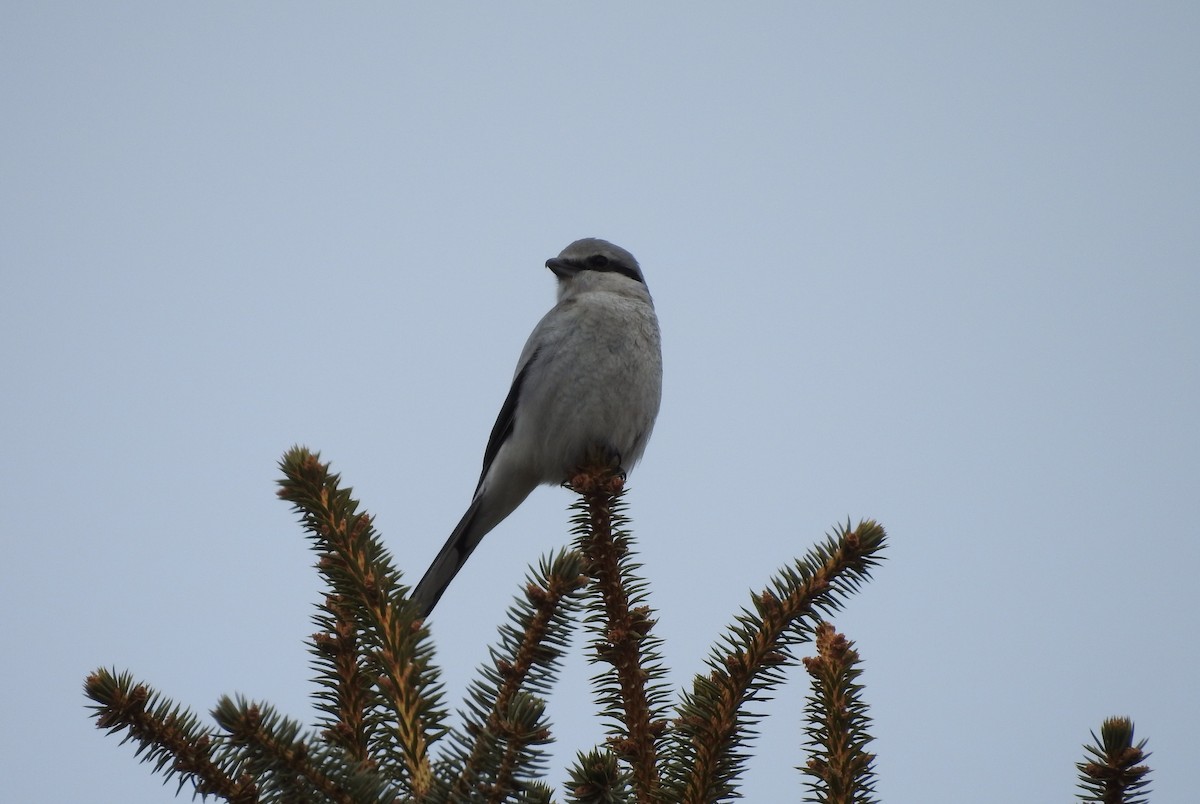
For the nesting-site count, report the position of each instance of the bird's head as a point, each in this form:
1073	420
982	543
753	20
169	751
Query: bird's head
592	255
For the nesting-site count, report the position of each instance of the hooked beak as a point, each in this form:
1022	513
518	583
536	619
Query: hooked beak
563	269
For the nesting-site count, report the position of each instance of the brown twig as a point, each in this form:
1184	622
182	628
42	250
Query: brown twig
286	759
351	561
625	628
340	646
840	767
499	725
713	728
164	736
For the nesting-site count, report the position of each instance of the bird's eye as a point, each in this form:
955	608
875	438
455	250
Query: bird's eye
597	261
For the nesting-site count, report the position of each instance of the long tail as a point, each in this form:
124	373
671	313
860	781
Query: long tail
463	539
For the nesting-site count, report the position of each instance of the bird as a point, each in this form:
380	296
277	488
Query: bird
589	379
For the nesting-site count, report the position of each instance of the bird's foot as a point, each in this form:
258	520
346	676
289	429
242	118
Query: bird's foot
599	470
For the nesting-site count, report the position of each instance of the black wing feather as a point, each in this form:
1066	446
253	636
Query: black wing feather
503	427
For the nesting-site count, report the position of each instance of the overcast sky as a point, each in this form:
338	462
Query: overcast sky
936	264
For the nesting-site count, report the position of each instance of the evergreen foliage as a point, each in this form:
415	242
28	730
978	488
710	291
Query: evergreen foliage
383	734
1114	773
840	769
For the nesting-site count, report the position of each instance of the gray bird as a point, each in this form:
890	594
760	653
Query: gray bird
589	378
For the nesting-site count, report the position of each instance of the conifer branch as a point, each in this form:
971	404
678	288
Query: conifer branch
1114	774
406	714
712	728
505	721
167	735
344	693
538	793
622	627
271	749
840	769
381	704
597	778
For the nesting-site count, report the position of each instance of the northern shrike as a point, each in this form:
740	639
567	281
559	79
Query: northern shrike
589	377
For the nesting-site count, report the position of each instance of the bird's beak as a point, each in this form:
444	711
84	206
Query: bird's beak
563	269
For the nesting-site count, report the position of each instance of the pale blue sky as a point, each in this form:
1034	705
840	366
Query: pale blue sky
936	264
